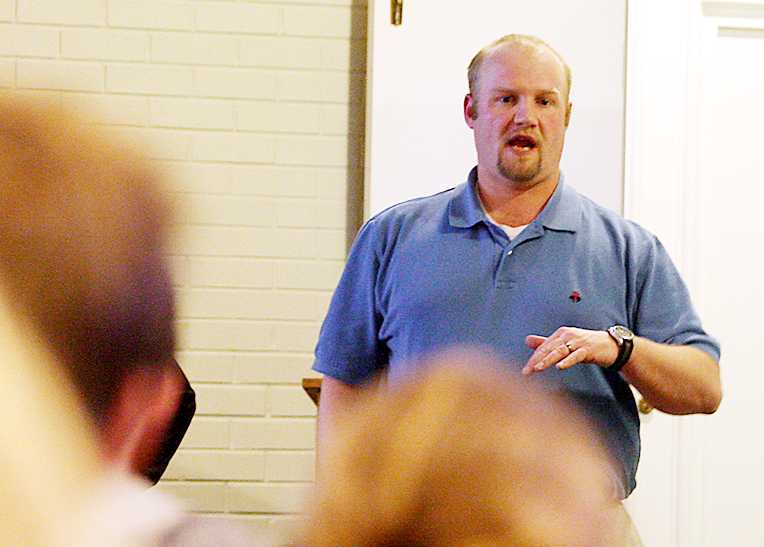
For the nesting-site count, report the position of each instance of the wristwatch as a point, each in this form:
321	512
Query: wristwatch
625	340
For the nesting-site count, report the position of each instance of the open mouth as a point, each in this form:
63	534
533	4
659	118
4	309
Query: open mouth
522	143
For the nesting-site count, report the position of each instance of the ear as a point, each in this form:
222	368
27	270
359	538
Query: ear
567	114
470	110
140	416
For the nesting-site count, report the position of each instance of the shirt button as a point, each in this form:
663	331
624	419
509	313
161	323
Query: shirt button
509	253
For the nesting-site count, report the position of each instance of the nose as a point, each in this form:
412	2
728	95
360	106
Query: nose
525	113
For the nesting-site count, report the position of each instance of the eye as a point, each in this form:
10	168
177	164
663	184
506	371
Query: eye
545	101
507	99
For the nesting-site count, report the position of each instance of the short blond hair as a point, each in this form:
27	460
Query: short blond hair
462	454
473	71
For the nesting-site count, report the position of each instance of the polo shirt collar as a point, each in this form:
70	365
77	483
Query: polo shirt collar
464	210
562	212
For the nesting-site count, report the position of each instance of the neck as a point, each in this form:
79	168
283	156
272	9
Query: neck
515	204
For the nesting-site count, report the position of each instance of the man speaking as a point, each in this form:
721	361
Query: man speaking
515	260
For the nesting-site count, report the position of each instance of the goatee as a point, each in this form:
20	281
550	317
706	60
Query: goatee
519	174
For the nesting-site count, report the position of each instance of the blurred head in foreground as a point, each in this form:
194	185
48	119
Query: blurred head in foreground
462	455
83	228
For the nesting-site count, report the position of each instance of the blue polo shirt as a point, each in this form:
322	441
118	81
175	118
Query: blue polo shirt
434	272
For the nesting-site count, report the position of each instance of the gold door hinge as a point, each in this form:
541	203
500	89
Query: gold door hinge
396	12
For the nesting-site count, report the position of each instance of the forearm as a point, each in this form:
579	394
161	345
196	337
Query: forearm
674	379
337	399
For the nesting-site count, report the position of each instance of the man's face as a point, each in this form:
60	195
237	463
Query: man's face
519	114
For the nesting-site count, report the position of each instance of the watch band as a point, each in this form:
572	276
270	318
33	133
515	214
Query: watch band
625	340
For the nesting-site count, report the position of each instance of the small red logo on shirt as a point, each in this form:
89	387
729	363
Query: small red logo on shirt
575	296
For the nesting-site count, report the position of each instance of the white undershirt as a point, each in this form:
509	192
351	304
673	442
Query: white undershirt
511	231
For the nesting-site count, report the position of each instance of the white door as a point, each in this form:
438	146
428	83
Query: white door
418	144
694	170
732	275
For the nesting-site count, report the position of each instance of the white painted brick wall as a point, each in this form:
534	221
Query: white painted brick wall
216	465
236	83
104	44
208	433
335	22
274	434
7	10
247	106
274	117
239	18
265	498
149	79
194	49
7	73
199	496
71	12
60	75
233	147
114	110
290	466
279	52
230	400
192	113
151	14
289	401
29	41
284	367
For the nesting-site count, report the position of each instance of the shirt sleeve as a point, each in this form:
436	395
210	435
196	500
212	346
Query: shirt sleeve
348	346
664	310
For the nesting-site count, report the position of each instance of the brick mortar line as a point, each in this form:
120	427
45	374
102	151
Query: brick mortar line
239	130
186	96
181	31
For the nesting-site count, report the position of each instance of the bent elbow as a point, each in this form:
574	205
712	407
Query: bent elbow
712	400
712	394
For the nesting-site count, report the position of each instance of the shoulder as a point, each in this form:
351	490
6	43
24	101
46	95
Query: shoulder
604	224
414	209
415	217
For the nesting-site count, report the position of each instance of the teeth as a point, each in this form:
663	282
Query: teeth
521	143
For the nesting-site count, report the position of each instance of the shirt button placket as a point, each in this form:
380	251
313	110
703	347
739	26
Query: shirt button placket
503	279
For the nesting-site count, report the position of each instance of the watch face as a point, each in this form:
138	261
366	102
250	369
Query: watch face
622	332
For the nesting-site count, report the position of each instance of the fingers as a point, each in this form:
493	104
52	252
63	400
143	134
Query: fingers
574	358
563	349
547	355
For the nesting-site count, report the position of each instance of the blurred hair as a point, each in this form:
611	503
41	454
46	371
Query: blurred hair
83	227
461	455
